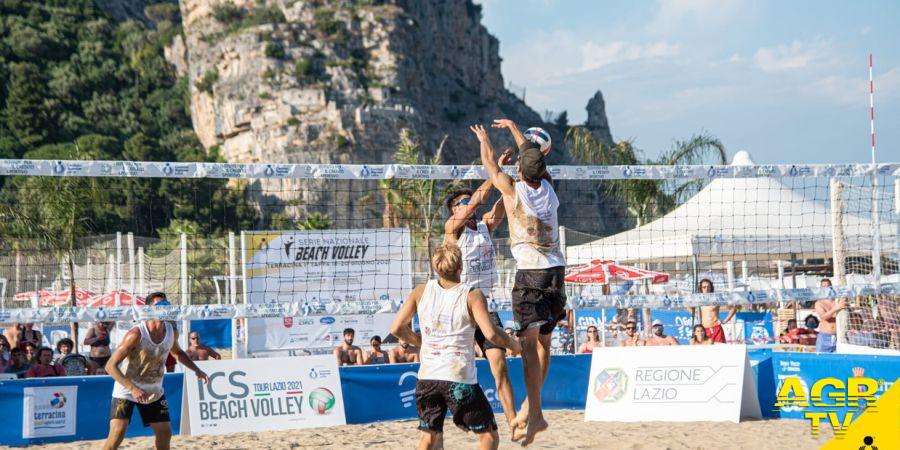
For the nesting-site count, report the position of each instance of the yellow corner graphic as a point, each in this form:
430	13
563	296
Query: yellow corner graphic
877	428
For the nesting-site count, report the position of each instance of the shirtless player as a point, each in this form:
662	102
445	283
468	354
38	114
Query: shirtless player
709	315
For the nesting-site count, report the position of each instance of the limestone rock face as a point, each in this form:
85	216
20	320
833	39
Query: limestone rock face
316	81
596	120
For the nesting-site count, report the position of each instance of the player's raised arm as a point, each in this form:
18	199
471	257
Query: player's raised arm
502	181
513	129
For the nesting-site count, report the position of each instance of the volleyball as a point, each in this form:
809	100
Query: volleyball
540	137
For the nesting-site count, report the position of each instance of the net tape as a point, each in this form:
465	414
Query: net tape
299	309
145	169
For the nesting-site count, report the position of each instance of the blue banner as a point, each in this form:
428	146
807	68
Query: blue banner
92	409
214	333
811	367
387	392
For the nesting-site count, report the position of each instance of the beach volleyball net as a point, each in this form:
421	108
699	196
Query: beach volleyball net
279	241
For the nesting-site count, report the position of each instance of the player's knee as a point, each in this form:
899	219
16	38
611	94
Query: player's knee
492	438
428	439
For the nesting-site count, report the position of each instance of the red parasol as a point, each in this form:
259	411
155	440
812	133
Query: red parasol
109	300
604	272
63	297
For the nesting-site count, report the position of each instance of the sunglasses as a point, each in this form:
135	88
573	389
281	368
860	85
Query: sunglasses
592	331
194	338
630	328
464	201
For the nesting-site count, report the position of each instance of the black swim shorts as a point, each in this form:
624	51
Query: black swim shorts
539	298
155	412
470	408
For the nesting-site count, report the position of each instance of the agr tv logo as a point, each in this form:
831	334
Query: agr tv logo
855	392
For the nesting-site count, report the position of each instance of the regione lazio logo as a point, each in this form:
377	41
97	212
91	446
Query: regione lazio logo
610	385
321	400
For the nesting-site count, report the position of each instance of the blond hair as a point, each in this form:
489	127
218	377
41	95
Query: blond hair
447	261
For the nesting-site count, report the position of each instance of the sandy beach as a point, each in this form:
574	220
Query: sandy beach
567	431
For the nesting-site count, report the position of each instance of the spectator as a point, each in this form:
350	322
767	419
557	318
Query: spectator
18	365
31	352
632	339
348	354
564	340
809	334
198	351
700	337
511	333
98	338
64	348
709	315
45	366
29	335
659	336
11	334
593	340
404	353
791	334
377	355
4	355
827	310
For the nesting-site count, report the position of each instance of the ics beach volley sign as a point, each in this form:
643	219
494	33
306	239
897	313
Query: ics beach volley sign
265	394
675	384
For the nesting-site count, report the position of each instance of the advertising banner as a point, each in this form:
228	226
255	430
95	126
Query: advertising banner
676	384
49	411
328	272
265	394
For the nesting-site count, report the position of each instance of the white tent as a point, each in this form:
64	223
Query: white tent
733	218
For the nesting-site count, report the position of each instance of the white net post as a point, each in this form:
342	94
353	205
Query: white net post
185	292
118	280
244	322
232	294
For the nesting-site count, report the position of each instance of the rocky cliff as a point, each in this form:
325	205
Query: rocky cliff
334	81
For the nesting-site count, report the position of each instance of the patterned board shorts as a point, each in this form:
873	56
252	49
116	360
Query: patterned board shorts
470	408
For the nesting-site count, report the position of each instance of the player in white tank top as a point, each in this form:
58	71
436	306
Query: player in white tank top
473	237
448	313
138	367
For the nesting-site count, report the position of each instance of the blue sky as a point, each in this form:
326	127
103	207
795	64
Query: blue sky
785	80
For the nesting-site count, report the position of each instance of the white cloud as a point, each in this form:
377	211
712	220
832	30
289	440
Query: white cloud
679	15
595	56
793	56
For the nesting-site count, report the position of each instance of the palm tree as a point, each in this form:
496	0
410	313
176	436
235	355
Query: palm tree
646	200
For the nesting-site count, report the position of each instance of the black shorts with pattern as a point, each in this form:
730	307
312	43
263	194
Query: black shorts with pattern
485	344
155	412
539	298
470	408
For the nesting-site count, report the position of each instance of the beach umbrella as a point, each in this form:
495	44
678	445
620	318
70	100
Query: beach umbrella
109	299
605	272
63	297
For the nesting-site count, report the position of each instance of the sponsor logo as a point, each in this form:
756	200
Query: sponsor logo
269	170
58	401
327	320
408	397
167	169
288	322
454	172
59	168
610	385
321	400
364	172
313	374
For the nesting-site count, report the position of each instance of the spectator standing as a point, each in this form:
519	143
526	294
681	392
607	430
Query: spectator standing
199	351
709	315
11	334
98	338
27	334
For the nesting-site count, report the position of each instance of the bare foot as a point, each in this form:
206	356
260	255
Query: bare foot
535	426
518	427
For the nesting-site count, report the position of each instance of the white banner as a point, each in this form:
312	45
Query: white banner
315	307
366	269
265	394
324	332
144	169
672	384
49	411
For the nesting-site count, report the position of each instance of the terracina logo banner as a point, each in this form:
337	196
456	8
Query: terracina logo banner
265	394
49	411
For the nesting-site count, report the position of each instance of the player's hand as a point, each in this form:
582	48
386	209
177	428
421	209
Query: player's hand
201	375
480	133
503	123
515	347
506	157
139	394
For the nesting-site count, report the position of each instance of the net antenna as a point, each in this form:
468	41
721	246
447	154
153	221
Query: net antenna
876	222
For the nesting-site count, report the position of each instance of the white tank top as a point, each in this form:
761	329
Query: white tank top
448	335
479	267
145	365
534	228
